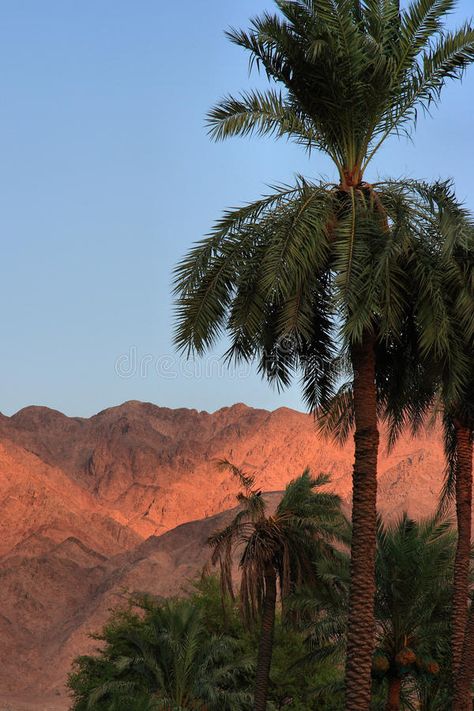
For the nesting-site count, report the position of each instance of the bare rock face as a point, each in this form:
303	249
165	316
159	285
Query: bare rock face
91	507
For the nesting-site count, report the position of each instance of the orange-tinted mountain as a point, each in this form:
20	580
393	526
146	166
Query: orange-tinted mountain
91	507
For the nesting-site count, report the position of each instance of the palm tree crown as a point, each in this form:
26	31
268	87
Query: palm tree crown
306	523
350	72
287	274
414	570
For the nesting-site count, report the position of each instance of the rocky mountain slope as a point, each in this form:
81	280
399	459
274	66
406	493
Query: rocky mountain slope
91	507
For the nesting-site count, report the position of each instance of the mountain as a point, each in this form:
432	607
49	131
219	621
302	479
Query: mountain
126	500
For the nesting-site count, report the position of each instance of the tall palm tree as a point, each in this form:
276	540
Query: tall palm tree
275	549
170	663
286	275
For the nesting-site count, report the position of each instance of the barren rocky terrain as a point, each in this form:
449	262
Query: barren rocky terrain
125	500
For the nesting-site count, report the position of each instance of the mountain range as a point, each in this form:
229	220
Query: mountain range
124	501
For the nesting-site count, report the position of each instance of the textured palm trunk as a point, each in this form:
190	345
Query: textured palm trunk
465	676
265	648
394	691
460	604
361	627
462	624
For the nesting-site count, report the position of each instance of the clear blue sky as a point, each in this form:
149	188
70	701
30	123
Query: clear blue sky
107	176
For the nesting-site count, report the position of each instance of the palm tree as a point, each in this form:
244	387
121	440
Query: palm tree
275	549
286	275
171	663
414	574
414	564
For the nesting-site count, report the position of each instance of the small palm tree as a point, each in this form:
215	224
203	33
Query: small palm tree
414	575
171	663
352	261
427	396
278	549
414	566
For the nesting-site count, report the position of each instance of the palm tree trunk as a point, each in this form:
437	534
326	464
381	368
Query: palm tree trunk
394	690
462	621
361	627
464	678
265	648
460	604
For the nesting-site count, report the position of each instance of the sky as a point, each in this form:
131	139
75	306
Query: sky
107	176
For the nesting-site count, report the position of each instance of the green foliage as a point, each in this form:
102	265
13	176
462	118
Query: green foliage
348	74
163	658
293	675
219	612
292	279
414	573
103	682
